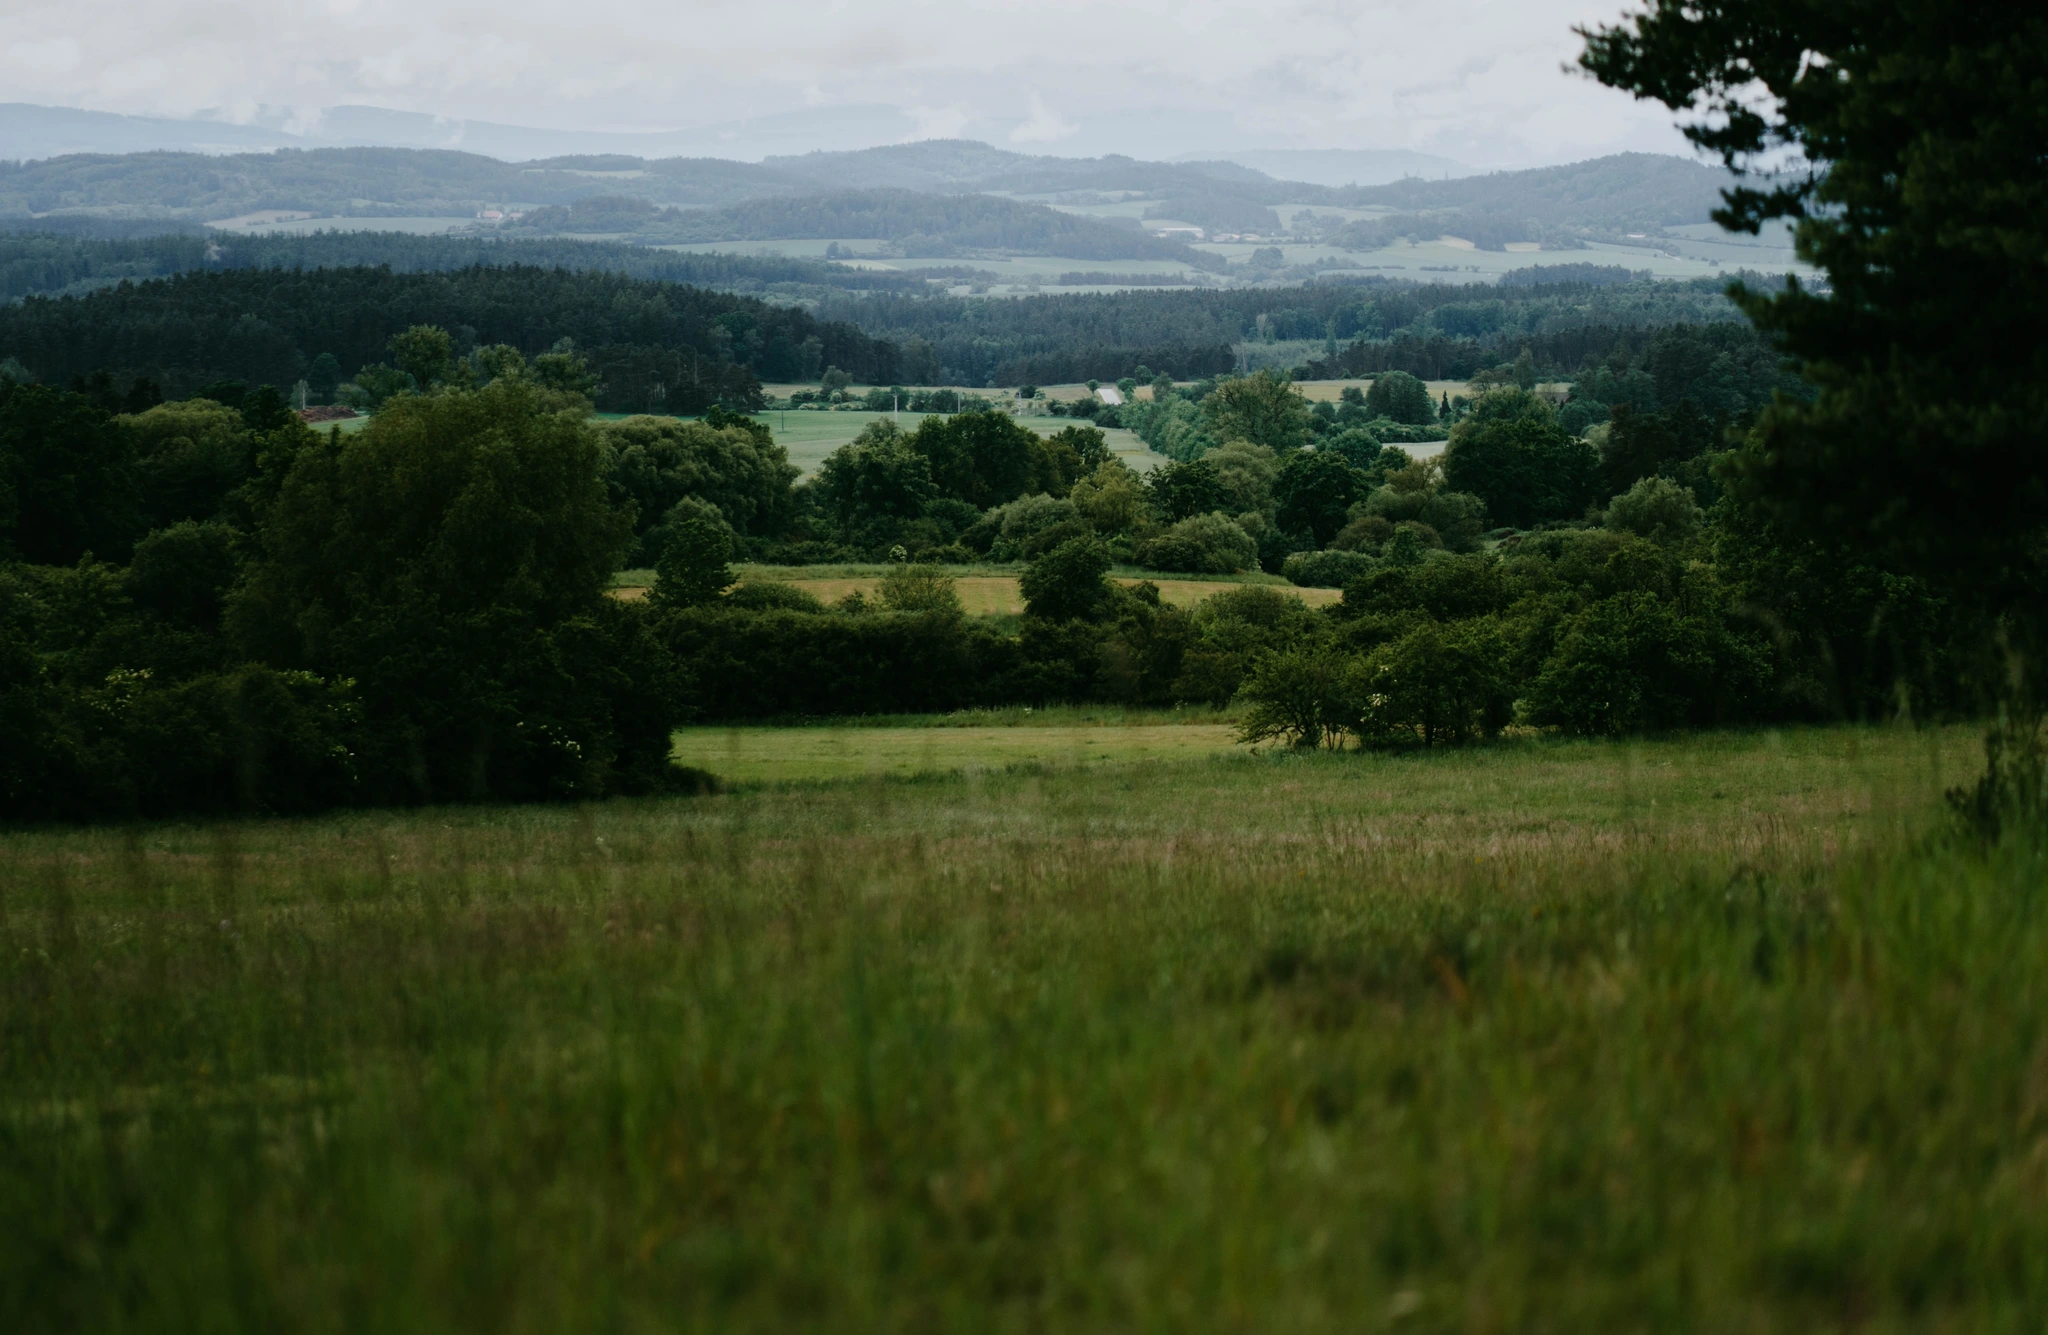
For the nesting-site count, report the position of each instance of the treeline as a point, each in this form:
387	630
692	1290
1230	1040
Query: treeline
39	263
1435	331
653	344
663	346
208	606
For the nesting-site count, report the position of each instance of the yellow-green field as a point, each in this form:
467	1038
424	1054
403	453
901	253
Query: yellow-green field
800	754
982	595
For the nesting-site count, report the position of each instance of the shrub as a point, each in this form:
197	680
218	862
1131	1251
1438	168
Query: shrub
1327	570
1202	544
1658	509
693	568
1306	697
770	595
1400	397
919	588
1627	664
1067	583
1437	685
1022	521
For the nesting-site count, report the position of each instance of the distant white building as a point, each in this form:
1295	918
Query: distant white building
1194	232
1110	395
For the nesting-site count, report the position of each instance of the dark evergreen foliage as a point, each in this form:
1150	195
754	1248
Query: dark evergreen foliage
268	326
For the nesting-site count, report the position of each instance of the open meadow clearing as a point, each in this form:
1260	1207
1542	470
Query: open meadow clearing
979	594
811	436
1687	1034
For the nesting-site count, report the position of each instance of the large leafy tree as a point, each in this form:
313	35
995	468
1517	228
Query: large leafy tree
983	458
876	475
1402	397
1314	494
451	560
1919	137
1525	468
1263	408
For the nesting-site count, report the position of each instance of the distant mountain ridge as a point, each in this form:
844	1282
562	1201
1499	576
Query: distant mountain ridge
29	132
1600	199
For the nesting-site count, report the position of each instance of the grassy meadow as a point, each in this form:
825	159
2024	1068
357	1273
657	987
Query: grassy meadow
1698	1034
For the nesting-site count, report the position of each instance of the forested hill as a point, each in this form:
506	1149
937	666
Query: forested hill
651	343
266	325
1628	192
922	224
40	264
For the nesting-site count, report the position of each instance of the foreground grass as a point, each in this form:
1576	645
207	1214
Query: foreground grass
1672	1036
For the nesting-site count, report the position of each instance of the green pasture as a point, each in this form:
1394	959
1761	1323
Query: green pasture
799	754
1704	1034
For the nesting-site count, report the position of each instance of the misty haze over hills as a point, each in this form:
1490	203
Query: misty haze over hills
29	133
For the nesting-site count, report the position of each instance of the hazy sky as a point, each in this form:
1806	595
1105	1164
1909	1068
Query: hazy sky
1477	80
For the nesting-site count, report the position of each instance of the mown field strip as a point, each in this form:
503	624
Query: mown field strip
981	595
783	755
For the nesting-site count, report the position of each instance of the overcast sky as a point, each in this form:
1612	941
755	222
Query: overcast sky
1481	81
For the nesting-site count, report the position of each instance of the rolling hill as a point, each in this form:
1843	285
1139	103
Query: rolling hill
1626	192
917	223
815	195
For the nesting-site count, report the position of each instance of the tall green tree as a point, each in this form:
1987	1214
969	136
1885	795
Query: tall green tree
1314	493
876	475
984	459
1069	582
1924	126
693	569
1402	397
425	352
1263	408
1525	468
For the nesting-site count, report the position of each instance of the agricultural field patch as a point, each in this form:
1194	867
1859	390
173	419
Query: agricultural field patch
811	436
981	594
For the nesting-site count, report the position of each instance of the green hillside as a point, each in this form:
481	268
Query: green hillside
921	224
